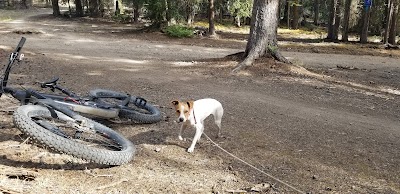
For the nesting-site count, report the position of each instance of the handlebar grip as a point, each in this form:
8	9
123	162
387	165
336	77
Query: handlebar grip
20	45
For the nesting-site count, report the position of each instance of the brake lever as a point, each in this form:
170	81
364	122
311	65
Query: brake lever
21	56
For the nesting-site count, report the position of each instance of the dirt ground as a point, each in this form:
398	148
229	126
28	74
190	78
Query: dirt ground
329	124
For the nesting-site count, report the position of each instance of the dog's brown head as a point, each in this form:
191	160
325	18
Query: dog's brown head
183	109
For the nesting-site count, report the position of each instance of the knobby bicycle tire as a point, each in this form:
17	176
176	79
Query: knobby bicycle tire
140	112
25	118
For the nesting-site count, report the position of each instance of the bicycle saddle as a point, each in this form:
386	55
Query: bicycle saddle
50	83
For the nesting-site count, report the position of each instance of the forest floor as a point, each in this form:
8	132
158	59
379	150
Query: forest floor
328	124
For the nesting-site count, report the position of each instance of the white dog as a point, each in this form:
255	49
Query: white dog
194	113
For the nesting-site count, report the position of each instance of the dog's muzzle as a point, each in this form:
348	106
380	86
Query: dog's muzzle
181	119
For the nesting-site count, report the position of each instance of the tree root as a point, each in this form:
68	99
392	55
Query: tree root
249	60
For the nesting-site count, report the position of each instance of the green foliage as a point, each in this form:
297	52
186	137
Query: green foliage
156	11
179	31
272	48
240	8
122	18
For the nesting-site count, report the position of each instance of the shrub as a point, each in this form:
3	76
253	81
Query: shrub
179	31
122	18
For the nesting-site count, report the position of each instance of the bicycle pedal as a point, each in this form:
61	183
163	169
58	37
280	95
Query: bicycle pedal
140	102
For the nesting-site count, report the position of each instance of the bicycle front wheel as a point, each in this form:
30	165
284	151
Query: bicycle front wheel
135	108
82	138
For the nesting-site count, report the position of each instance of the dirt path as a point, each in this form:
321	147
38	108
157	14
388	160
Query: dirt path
320	136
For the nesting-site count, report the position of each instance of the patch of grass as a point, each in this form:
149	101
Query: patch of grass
5	18
179	31
309	29
224	26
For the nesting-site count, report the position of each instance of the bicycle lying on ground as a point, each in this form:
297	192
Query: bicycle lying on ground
52	120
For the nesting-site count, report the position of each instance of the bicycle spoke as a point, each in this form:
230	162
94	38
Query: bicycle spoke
77	132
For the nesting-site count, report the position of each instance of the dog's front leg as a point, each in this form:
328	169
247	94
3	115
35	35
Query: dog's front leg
199	131
183	127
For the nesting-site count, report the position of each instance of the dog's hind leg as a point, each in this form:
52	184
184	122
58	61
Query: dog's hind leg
218	123
218	119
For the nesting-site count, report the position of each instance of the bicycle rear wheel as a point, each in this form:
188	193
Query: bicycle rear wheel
85	139
137	109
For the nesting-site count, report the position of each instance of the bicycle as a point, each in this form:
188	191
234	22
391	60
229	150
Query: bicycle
54	122
105	104
100	102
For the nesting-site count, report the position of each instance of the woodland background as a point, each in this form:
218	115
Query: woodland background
338	18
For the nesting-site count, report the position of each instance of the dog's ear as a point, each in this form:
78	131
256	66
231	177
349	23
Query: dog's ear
175	102
190	104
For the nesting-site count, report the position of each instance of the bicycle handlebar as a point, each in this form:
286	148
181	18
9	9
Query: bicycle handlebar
20	45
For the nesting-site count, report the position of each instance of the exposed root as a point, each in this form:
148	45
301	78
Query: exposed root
249	60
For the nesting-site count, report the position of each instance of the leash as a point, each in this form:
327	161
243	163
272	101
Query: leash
248	164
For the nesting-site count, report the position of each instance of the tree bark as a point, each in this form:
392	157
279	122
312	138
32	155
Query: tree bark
296	16
168	14
56	7
346	21
211	15
388	21
190	13
331	20
263	34
337	20
94	8
364	26
136	11
393	23
286	12
79	10
334	21
316	12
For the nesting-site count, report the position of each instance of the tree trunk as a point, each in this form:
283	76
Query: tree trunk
56	8
331	20
345	36
337	20
393	23
334	21
168	15
364	26
388	21
286	12
263	33
79	10
24	5
211	25
190	14
136	11
316	12
296	15
94	8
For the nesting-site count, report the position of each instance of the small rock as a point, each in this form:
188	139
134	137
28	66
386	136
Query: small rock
230	168
158	149
314	177
261	187
328	189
